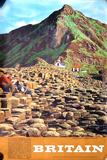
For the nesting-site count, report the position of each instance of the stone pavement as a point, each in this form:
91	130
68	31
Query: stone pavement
60	105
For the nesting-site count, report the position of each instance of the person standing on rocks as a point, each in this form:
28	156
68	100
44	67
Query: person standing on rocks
21	86
5	82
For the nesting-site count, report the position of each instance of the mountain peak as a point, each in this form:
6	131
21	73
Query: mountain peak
66	6
66	9
64	33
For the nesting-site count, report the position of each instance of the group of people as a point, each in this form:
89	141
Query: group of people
7	84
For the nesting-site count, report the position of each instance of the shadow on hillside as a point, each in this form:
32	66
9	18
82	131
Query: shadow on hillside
3	47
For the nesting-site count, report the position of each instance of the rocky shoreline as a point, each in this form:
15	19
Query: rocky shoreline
60	106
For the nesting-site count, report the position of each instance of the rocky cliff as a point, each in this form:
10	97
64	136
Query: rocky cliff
66	32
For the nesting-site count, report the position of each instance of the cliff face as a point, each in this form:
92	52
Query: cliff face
65	32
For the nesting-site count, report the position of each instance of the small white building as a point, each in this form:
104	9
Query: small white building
59	64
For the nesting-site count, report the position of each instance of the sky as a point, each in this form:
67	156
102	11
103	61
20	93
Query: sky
17	13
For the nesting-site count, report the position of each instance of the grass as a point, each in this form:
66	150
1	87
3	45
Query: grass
74	28
2	42
98	28
76	15
68	61
18	54
12	54
15	54
85	52
105	43
53	53
87	69
2	56
25	51
101	53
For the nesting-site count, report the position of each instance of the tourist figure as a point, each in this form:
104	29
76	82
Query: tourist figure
21	87
5	82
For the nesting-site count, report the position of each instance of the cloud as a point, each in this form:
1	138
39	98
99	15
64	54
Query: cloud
34	2
71	2
22	1
8	29
5	10
17	13
24	23
20	24
34	22
11	26
27	14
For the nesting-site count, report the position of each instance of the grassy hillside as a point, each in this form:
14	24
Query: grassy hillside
65	29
